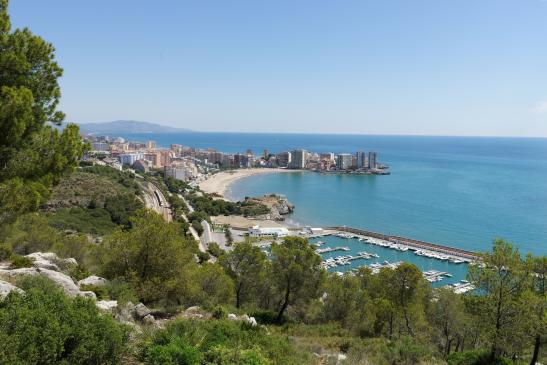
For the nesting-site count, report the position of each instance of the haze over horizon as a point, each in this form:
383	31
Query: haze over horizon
393	67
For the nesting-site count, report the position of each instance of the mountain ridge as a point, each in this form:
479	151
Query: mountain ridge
129	126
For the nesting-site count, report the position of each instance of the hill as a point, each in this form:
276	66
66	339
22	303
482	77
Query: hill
129	126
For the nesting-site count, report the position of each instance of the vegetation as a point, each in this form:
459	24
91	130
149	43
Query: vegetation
62	330
220	342
33	154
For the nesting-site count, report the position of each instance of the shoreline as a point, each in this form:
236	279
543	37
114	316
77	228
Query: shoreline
220	182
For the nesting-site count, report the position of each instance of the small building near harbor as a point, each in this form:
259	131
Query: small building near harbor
257	231
315	231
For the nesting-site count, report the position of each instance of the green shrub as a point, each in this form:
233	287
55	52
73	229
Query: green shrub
219	312
18	261
222	342
44	326
99	290
5	251
475	357
121	291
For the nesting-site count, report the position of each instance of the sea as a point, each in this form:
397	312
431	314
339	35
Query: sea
457	191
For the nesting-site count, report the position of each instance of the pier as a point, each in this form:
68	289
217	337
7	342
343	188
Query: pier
411	243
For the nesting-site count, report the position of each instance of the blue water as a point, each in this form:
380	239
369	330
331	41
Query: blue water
457	191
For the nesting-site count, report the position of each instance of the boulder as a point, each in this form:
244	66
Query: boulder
124	312
50	261
107	305
88	294
92	281
148	319
232	317
63	281
141	311
6	288
44	260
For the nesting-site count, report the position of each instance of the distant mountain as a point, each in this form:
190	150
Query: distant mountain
128	126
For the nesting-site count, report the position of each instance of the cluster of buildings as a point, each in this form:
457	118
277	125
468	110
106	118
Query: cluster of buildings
187	163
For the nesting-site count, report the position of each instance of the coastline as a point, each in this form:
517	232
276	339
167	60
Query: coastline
220	182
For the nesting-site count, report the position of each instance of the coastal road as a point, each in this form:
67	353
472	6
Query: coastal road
155	200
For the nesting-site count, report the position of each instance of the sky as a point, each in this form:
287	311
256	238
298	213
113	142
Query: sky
433	67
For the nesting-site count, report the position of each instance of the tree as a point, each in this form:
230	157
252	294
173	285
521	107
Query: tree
405	289
502	278
538	267
33	154
153	256
296	273
246	266
44	326
447	314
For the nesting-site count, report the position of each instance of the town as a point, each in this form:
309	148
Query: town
188	164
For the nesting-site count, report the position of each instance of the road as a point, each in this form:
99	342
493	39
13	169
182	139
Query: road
152	202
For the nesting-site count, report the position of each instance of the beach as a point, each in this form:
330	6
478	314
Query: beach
219	183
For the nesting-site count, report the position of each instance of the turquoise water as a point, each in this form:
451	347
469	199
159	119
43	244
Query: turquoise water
457	191
458	271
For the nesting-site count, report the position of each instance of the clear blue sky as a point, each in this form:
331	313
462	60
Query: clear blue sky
449	67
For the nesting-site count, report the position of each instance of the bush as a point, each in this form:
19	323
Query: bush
44	326
220	342
214	249
100	291
5	251
18	261
475	357
219	312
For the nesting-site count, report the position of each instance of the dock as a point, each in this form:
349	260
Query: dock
457	255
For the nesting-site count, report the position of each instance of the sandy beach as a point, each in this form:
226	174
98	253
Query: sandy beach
219	183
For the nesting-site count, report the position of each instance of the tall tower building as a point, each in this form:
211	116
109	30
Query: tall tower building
372	160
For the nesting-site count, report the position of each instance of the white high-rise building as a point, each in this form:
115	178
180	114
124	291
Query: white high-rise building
299	159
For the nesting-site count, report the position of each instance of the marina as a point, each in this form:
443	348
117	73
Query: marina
440	267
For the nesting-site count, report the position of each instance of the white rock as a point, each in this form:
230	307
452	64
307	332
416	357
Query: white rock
232	317
6	288
141	310
107	305
88	294
63	281
149	319
92	280
252	321
44	260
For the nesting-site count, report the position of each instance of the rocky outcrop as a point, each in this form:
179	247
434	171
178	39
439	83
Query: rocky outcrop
141	311
50	261
244	318
6	288
107	305
278	205
92	281
47	264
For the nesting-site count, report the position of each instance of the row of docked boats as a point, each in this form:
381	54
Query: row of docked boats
439	256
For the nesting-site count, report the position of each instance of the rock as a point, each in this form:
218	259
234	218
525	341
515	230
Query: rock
148	319
232	317
107	305
92	281
63	281
44	260
124	313
249	320
19	272
50	261
195	312
6	288
88	294
141	310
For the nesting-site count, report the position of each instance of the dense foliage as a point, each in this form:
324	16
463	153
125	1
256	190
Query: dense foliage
43	326
220	342
33	154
